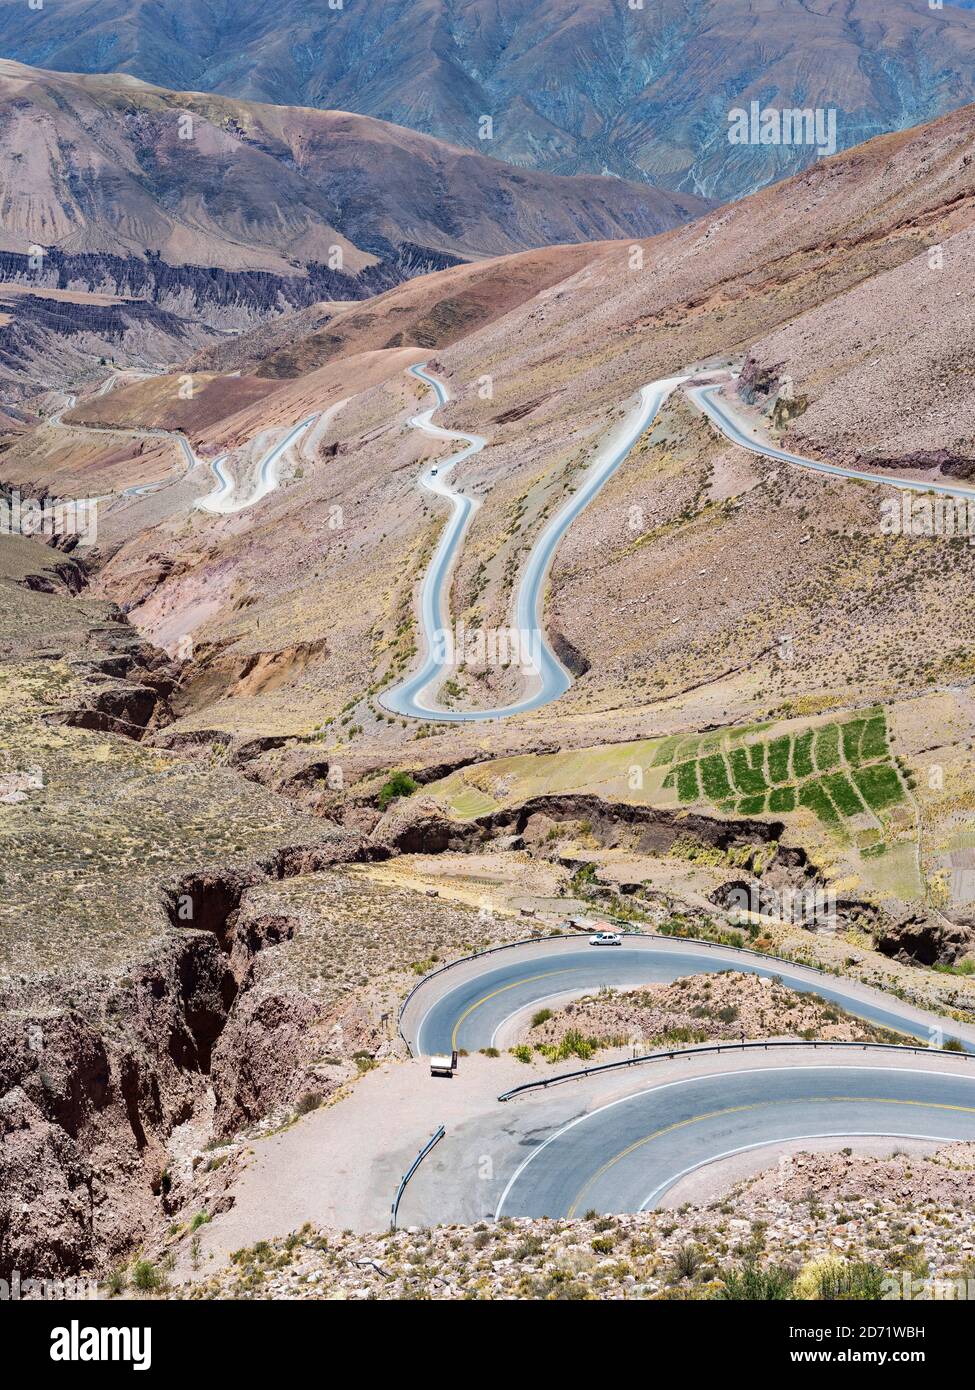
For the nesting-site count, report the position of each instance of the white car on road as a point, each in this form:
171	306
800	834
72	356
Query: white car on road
606	938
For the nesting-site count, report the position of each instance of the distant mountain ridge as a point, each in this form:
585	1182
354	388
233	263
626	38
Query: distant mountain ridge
112	166
570	86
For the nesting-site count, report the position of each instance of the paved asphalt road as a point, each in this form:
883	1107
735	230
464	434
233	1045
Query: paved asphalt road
618	1141
407	698
624	1155
466	1006
221	498
706	398
412	697
623	1140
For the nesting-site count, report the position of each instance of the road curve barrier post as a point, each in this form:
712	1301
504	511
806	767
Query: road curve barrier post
431	1143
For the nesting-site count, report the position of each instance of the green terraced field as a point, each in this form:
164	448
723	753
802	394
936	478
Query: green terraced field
778	759
843	795
873	743
826	745
746	768
802	765
851	740
687	788
714	776
879	786
839	771
815	798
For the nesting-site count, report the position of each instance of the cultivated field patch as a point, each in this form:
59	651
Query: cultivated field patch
842	771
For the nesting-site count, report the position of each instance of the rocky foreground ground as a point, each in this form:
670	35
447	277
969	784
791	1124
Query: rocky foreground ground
817	1226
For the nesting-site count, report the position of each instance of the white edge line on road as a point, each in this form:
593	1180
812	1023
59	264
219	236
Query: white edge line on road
663	1187
687	1081
567	995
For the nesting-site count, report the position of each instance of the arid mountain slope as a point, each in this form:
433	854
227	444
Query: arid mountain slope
111	166
50	336
863	395
674	587
192	730
570	86
430	312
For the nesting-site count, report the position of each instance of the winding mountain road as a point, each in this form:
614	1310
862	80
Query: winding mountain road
619	1140
178	438
550	679
734	429
475	1003
226	497
407	697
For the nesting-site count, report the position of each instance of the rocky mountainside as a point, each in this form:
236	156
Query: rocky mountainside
568	336
572	85
233	772
48	337
109	165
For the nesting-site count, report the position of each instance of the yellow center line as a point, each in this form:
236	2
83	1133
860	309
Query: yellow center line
737	1110
494	993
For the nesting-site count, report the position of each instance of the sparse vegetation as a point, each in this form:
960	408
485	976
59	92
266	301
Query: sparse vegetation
400	784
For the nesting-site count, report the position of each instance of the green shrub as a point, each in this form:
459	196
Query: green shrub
687	1260
857	1280
400	784
146	1277
574	1044
754	1285
960	967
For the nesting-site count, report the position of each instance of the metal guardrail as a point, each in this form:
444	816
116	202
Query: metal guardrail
670	1056
431	1143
